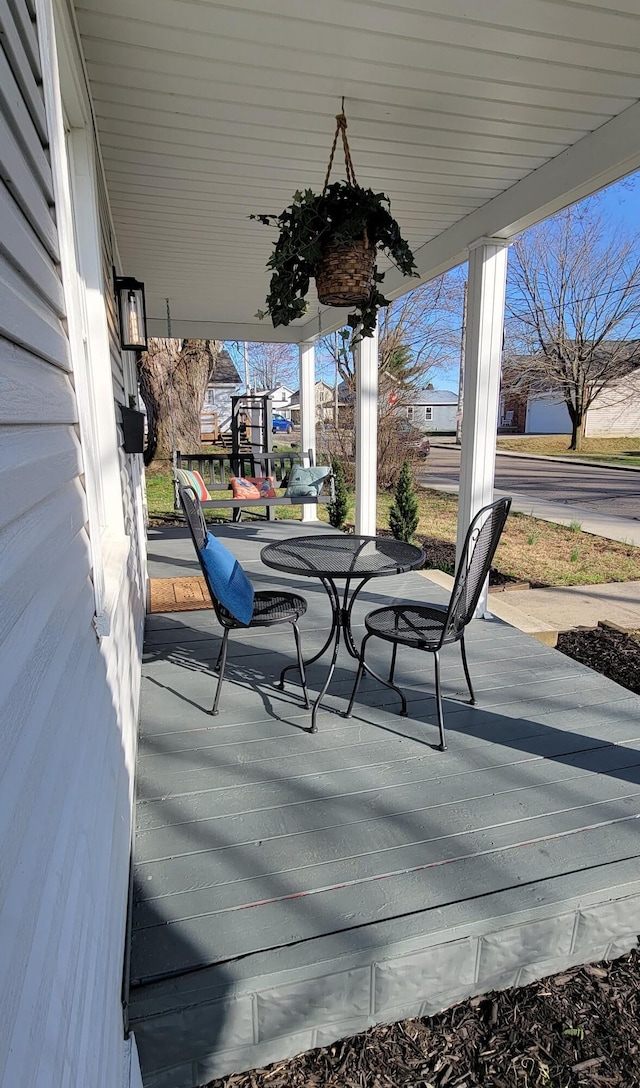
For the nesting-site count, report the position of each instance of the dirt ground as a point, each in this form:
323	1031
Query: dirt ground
616	654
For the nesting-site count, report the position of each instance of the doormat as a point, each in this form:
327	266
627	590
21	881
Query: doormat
178	594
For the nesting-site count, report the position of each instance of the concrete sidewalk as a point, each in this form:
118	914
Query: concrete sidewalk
625	530
447	443
544	612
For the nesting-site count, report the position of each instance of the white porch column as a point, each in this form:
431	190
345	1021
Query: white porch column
483	356
366	434
308	409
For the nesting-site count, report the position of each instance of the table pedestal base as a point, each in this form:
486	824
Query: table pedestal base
340	625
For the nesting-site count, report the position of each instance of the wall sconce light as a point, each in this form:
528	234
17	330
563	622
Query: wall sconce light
132	313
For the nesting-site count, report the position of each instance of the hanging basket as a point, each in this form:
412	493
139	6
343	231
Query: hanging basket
344	277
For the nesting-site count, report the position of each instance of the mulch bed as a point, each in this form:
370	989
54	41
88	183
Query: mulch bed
575	1030
441	555
616	654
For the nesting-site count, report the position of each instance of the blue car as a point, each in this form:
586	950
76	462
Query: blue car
282	425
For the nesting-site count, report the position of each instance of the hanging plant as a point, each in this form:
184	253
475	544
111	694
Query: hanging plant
334	237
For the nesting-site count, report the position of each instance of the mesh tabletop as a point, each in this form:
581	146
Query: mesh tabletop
342	556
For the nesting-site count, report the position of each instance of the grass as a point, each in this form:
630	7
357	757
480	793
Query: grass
531	550
616	451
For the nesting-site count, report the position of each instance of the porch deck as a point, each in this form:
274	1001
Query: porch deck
291	889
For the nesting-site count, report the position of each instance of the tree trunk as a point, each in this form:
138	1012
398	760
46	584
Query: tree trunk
577	434
578	422
173	377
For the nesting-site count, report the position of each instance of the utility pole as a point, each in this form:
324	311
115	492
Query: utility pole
246	367
335	384
463	340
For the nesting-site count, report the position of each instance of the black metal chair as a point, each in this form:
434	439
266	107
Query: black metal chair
269	607
432	626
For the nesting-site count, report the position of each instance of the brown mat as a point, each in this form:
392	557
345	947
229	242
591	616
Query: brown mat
178	594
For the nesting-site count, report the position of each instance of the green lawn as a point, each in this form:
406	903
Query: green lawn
615	451
530	550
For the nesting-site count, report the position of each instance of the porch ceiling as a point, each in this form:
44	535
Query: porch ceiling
475	119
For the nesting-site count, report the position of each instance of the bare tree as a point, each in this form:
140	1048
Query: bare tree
573	309
271	365
418	333
173	377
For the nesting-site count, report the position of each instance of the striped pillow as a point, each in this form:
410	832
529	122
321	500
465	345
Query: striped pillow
189	478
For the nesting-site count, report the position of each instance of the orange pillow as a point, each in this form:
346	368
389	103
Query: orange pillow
243	489
265	485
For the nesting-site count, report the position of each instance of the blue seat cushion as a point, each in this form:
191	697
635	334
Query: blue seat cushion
306	481
227	579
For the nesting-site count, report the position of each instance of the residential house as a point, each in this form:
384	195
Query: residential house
324	403
526	407
225	382
281	398
431	410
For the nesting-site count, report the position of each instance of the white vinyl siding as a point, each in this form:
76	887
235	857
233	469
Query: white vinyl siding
616	412
68	701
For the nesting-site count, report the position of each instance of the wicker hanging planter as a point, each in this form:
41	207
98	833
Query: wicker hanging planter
345	275
333	237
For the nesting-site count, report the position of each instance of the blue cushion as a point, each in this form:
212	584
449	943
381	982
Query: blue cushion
306	481
228	580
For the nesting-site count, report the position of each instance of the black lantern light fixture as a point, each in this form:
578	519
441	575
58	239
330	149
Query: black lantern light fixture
132	311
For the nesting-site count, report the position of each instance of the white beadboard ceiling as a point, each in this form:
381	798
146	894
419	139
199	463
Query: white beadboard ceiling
477	117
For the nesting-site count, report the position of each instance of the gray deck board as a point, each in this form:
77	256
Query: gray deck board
286	915
260	846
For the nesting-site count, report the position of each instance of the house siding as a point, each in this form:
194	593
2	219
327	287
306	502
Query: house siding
218	400
68	701
616	412
442	417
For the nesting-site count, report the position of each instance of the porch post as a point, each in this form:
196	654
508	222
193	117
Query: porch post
366	354
308	410
483	357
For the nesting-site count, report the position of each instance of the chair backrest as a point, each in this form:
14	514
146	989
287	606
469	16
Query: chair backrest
479	549
198	528
195	518
228	585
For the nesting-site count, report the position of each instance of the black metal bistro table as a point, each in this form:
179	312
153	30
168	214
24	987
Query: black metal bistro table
331	557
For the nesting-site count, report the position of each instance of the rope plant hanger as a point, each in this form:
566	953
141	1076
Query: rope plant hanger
345	275
334	237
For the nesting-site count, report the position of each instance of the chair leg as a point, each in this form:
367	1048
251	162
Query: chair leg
392	670
443	745
222	661
296	635
347	713
463	651
219	657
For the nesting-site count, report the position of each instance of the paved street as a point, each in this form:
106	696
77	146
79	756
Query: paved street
603	490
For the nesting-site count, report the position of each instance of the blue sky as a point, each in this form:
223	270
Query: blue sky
622	202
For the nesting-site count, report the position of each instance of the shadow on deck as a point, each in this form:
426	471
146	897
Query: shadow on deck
293	889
